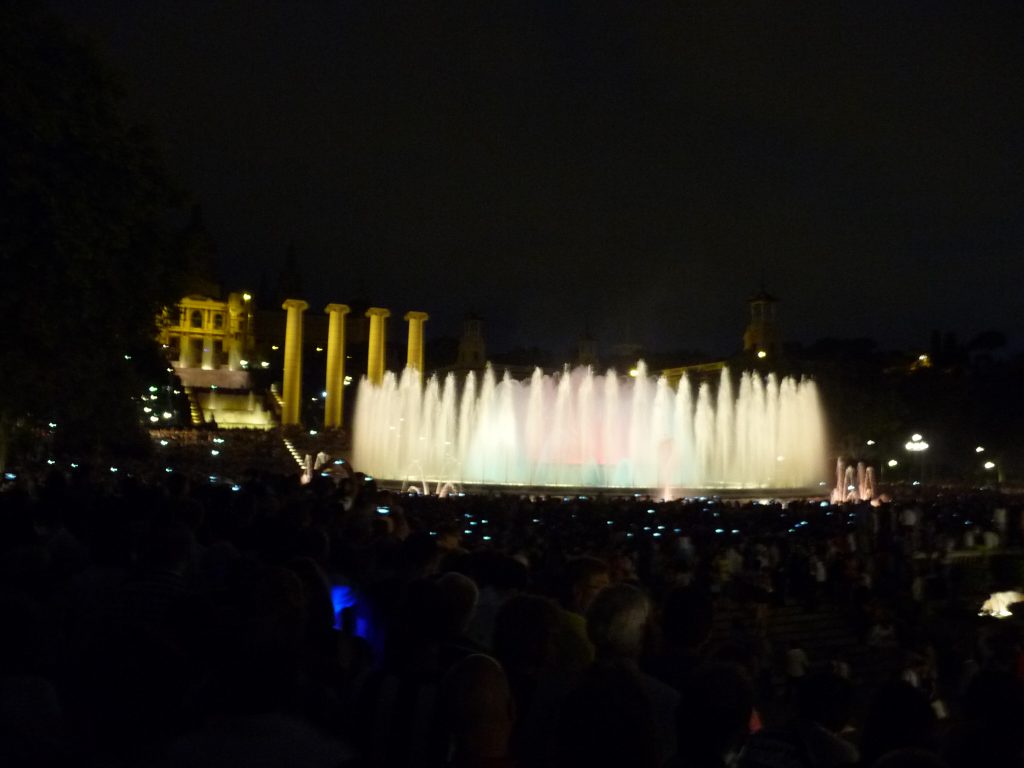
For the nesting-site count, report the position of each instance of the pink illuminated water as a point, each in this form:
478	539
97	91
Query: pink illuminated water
580	429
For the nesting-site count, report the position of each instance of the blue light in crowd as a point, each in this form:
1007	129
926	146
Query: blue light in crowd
609	522
657	535
168	469
236	487
824	504
650	511
342	597
719	530
468	531
487	538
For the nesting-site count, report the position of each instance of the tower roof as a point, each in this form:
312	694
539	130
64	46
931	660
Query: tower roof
762	295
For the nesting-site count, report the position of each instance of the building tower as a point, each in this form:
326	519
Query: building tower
471	346
762	336
586	352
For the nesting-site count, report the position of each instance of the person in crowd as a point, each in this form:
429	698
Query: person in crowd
713	716
899	717
479	712
618	619
686	623
813	738
584	578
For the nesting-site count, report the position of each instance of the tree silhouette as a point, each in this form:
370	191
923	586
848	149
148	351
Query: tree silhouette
85	251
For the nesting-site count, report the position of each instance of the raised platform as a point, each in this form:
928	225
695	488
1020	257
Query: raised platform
221	378
729	494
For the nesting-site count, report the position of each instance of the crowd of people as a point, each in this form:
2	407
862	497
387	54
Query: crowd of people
188	620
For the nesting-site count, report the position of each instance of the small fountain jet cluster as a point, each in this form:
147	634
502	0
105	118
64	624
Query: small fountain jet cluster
853	483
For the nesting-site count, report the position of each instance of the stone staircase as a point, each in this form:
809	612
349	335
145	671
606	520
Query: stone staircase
195	410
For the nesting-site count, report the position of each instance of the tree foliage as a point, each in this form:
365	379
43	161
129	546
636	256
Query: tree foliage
85	252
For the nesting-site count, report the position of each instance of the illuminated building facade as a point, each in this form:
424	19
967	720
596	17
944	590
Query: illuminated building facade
209	334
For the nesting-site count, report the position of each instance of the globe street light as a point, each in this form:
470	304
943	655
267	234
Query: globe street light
918	445
991	465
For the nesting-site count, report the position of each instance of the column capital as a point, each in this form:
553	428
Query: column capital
340	308
416	316
378	312
298	304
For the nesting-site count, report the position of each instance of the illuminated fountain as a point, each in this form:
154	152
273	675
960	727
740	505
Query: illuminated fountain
853	484
579	429
998	604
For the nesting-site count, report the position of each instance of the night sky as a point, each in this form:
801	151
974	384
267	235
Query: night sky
638	168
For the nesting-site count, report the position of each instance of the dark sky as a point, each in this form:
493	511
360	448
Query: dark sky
634	166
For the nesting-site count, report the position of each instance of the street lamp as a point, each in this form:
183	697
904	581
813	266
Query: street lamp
918	445
990	466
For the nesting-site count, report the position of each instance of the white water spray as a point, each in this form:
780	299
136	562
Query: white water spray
579	429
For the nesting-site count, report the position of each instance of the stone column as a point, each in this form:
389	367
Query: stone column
416	320
375	354
335	386
292	384
208	363
234	338
184	348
